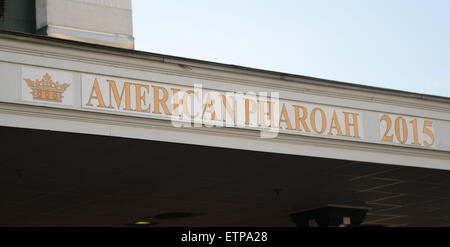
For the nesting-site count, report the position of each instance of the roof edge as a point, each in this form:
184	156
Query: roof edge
219	66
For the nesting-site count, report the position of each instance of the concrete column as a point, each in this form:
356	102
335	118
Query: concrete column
105	22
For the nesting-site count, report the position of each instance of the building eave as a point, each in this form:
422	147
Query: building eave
189	62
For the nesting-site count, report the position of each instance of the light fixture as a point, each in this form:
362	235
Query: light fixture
142	223
330	215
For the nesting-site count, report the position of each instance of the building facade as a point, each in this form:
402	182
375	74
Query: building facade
100	134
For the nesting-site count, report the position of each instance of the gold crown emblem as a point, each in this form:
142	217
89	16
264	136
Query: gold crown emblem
46	89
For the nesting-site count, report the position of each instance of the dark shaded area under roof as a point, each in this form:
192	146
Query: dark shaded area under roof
50	178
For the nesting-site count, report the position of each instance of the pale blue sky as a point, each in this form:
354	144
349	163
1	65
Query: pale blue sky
396	44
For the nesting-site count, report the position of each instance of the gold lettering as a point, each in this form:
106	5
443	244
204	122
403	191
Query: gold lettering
313	120
335	125
98	95
228	108
284	117
247	110
175	102
397	130
211	108
125	89
159	101
387	138
354	124
185	105
428	132
301	120
262	114
416	136
140	98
